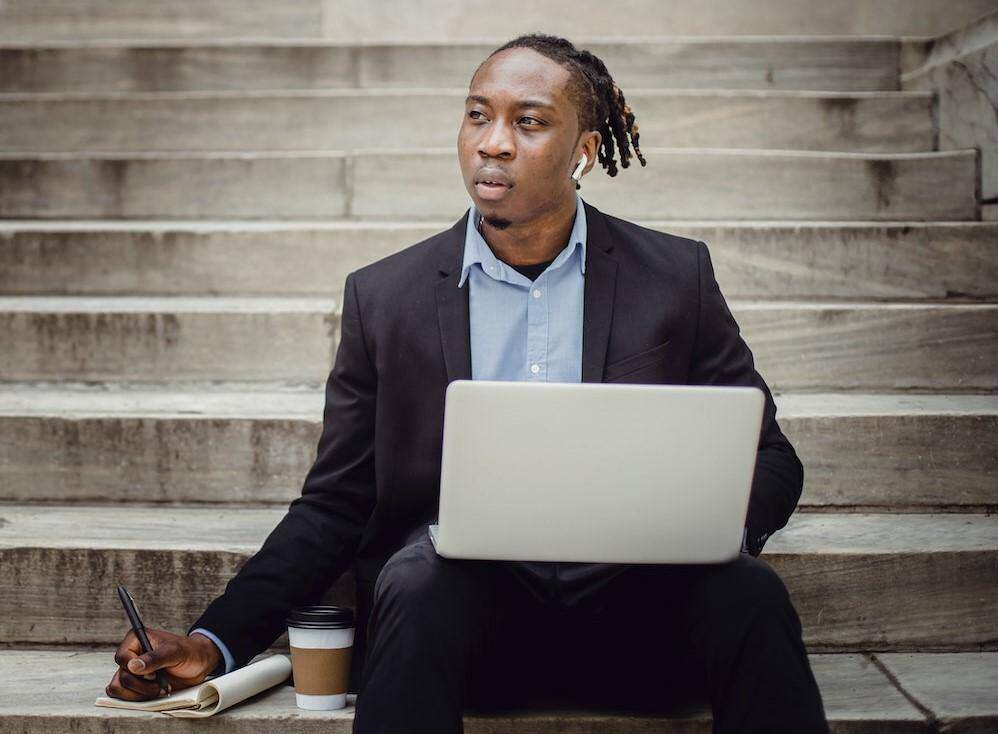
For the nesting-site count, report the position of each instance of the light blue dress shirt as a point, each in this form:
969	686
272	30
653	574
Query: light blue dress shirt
520	330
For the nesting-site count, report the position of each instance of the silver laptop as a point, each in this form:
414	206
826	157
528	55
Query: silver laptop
595	472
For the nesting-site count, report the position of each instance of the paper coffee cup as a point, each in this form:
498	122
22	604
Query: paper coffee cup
321	639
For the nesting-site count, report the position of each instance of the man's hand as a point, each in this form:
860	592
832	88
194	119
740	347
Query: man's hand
187	661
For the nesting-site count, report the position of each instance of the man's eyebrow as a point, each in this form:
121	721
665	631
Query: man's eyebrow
519	103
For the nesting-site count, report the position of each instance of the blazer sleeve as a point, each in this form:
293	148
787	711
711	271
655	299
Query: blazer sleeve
317	539
721	357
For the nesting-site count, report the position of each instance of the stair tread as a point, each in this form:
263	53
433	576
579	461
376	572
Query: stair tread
219	399
8	226
243	529
158	304
268	400
422	152
855	691
337	93
265	303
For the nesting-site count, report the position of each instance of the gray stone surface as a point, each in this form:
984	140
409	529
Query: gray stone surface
254	445
872	346
144	185
900	452
805	260
435	19
857	698
797	345
714	63
351	20
100	19
962	70
730	184
327	120
912	582
859	582
843	63
961	691
168	338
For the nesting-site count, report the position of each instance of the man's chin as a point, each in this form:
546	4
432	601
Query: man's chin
494	216
496	222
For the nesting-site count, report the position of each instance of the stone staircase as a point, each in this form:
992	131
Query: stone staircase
184	187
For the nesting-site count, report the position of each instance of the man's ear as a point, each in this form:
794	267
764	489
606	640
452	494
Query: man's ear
590	146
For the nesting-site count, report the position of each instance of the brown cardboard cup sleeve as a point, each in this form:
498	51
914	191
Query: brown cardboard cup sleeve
321	640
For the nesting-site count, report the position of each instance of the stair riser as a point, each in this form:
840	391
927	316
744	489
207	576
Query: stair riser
432	20
927	602
871	124
150	347
870	262
835	65
795	347
948	601
898	462
729	185
99	19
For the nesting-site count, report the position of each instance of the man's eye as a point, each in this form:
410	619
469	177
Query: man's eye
533	120
475	112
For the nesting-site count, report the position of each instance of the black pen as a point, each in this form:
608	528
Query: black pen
140	631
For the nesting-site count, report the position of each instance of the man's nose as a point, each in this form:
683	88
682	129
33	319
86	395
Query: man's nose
497	142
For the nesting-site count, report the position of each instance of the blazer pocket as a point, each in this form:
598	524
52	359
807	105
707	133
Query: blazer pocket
649	357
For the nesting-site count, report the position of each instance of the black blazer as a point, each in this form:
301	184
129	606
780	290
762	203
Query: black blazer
653	313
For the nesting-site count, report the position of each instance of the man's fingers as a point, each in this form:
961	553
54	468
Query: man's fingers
167	654
126	686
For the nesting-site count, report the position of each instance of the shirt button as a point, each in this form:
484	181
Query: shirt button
537	293
535	368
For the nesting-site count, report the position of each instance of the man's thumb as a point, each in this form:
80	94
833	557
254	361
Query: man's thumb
161	657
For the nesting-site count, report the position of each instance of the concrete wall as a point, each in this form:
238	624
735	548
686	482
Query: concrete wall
962	69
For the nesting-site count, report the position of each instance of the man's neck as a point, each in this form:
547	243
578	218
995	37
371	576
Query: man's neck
537	241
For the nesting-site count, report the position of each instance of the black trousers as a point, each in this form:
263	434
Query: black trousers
448	636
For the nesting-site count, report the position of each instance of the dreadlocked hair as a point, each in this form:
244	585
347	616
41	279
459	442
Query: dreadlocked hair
600	102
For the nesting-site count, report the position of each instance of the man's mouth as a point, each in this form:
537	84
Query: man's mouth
492	186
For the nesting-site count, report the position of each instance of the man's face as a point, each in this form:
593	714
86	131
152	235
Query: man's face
518	139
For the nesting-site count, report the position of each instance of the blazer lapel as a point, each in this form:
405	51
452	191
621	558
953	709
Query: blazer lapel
597	311
452	304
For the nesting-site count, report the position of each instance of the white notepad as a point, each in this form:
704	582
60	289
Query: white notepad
216	694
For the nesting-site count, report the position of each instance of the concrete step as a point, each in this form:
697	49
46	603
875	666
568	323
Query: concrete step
798	345
861	694
353	20
730	184
253	445
61	564
99	19
168	338
802	260
761	62
889	122
959	692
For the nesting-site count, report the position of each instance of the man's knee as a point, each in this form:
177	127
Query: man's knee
408	574
415	578
743	586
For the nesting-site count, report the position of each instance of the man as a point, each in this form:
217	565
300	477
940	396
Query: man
502	296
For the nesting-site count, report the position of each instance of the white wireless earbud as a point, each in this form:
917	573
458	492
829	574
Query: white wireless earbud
577	174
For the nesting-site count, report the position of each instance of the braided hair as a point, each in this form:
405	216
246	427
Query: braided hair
600	102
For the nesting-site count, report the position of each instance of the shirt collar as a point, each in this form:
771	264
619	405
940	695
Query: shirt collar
477	250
